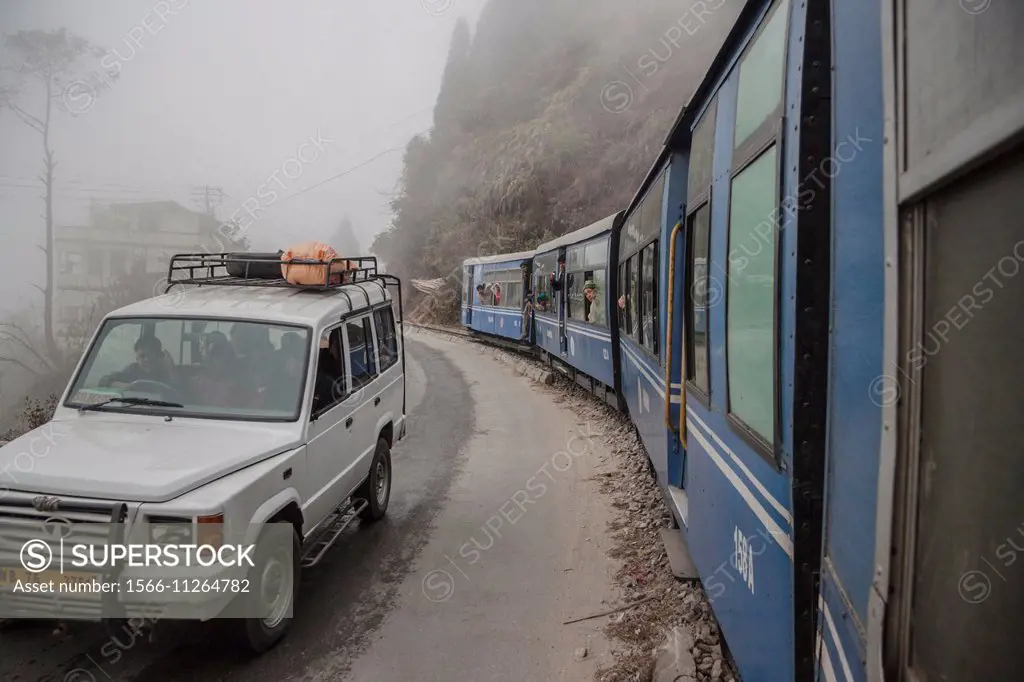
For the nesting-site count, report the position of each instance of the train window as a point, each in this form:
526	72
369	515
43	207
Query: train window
625	303
630	235
513	295
650	210
574	296
583	308
649	297
750	330
596	309
574	258
761	76
702	149
703	294
631	296
596	254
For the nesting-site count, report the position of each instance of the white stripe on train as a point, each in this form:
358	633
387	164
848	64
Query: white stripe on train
823	606
780	536
779	507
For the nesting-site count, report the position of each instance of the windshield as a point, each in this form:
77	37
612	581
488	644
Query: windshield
220	369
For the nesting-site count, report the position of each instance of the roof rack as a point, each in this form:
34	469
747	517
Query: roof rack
251	270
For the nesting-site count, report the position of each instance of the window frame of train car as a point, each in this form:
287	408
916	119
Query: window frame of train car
542	283
767	135
586	266
630	268
699	198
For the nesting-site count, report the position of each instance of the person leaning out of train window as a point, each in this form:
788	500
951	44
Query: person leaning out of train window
480	293
557	280
593	311
496	293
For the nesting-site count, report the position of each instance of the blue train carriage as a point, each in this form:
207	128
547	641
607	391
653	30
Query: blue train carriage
716	360
573	308
494	295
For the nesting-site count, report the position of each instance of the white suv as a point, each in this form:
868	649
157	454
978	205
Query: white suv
229	402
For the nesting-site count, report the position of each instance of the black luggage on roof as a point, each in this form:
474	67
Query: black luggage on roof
254	265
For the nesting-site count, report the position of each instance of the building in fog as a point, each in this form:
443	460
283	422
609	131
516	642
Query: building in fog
123	245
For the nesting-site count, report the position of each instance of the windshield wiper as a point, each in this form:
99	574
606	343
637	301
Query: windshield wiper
130	401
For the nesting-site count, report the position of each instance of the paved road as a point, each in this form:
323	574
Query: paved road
494	537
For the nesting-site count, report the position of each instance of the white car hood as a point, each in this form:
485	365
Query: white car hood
135	459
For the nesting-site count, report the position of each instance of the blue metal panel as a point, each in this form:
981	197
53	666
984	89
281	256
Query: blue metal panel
675	211
503	322
858	296
644	388
840	657
547	336
726	496
785	247
718	256
590	351
739	504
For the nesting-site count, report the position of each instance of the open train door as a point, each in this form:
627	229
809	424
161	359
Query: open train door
467	295
563	302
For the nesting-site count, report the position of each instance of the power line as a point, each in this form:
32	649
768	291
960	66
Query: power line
347	171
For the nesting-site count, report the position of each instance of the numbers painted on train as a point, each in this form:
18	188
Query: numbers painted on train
743	558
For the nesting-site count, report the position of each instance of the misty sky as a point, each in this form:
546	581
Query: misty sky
223	94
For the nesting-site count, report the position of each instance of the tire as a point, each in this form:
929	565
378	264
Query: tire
376	489
260	635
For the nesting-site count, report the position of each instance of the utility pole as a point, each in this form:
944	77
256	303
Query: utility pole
208	198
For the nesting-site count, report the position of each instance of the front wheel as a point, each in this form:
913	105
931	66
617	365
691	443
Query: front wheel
376	489
273	592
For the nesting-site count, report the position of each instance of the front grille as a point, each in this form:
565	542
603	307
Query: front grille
79	521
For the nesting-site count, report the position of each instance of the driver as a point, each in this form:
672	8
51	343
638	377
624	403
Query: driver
150	365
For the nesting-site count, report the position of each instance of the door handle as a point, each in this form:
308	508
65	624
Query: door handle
348	422
376	401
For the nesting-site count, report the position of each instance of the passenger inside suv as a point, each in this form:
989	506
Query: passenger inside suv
150	364
330	375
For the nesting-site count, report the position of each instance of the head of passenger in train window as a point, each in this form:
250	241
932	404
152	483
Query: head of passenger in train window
590	290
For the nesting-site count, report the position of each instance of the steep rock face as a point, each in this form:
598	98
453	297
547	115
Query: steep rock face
548	118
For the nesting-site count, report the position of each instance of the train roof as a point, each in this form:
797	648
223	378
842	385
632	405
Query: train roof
580	235
499	258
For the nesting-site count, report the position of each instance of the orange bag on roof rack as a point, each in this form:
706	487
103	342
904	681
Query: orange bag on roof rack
306	274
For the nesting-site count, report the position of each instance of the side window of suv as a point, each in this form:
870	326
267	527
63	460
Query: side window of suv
361	352
387	343
329	389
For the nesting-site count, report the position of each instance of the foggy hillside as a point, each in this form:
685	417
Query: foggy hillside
547	120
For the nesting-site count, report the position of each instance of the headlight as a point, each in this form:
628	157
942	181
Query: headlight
168	530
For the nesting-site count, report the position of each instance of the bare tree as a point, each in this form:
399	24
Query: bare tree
49	59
